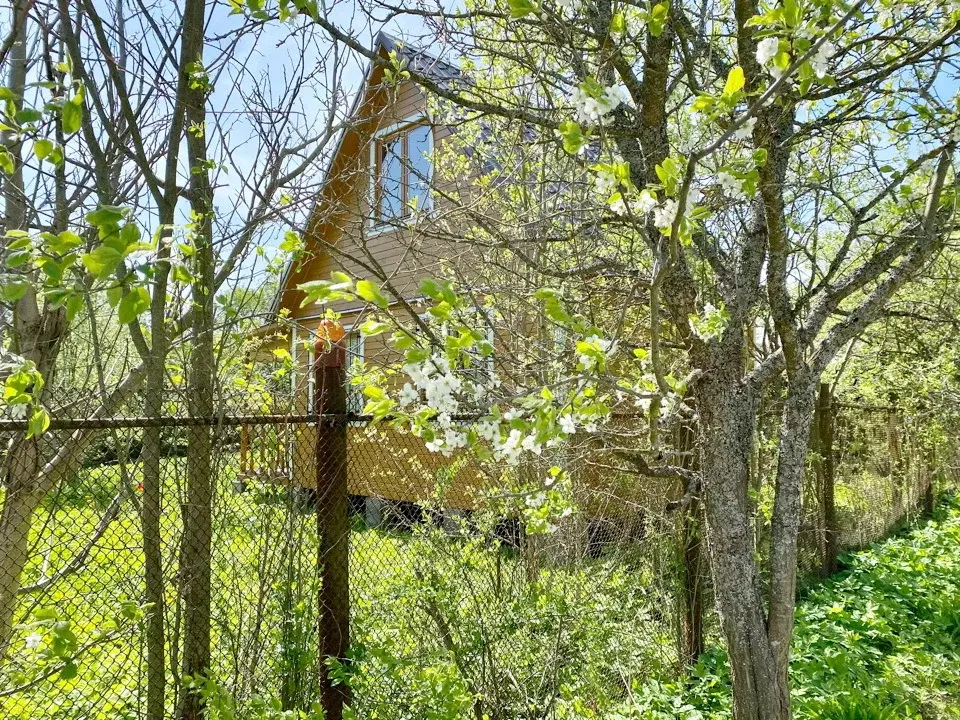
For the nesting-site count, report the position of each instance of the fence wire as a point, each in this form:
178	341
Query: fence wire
457	605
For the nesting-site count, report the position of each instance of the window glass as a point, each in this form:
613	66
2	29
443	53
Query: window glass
418	164
355	401
390	189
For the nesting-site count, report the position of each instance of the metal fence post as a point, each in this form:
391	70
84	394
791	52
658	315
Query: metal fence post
825	411
333	523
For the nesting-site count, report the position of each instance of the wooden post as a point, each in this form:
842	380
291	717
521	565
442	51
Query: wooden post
929	468
825	442
333	523
894	450
244	449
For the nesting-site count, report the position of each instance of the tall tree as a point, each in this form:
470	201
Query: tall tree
786	166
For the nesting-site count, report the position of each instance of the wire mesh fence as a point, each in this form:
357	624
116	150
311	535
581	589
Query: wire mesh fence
458	603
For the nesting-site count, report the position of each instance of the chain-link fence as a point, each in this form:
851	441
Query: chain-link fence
316	556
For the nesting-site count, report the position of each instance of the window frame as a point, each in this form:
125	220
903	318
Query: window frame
353	393
401	129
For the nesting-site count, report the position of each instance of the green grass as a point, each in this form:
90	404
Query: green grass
546	641
880	640
442	626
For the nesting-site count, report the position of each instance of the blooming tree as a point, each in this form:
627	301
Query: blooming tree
726	195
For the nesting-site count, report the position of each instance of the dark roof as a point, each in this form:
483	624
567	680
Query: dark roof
420	60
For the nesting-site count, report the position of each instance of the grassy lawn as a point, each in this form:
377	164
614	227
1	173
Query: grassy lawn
879	641
437	621
441	623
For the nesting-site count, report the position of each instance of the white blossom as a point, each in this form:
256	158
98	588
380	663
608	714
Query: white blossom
605	183
589	109
600	342
34	640
664	215
408	395
745	131
731	184
18	411
821	59
510	449
619	206
568	424
479	392
645	202
767	50
530	444
455	438
537	500
488	430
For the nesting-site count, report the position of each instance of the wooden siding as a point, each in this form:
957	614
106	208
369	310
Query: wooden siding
339	235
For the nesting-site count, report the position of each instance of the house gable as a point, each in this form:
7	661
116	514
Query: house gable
339	234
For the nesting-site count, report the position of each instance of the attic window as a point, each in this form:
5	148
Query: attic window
402	172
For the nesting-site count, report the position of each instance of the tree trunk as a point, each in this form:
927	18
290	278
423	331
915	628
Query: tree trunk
150	524
726	413
19	505
197	512
825	430
787	511
37	335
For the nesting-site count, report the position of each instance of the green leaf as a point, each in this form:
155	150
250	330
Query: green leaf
130	234
106	215
114	295
703	102
521	8
39	422
291	242
102	261
13	287
182	275
133	304
735	81
7	162
28	115
42	148
371	293
618	25
374	327
341	279
18	258
792	12
572	136
374	393
64	242
431	288
71	115
402	340
69	670
658	18
74	304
